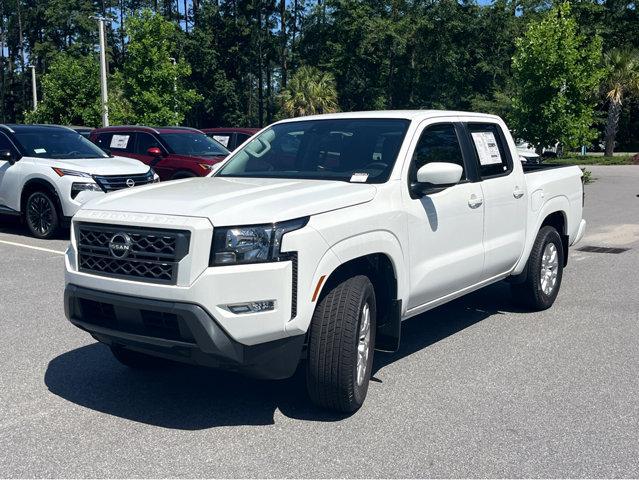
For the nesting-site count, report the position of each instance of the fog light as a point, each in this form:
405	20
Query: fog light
252	307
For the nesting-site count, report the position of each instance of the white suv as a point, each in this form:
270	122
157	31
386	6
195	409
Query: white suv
47	172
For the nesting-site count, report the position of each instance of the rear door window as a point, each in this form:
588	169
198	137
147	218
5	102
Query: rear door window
492	154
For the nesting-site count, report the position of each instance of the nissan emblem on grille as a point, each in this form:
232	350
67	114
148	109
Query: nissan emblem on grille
130	183
120	245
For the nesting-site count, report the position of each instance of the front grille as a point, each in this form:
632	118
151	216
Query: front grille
110	183
152	255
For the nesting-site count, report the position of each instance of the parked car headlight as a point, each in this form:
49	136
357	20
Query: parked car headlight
72	173
251	244
76	188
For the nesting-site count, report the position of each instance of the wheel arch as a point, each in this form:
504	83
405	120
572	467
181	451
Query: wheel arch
378	256
553	213
39	184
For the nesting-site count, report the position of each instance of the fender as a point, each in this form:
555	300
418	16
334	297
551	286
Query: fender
557	204
36	180
358	246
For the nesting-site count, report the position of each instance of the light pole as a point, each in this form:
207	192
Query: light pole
34	87
173	61
103	74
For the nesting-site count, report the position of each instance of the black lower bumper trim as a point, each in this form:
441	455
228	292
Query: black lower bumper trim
179	331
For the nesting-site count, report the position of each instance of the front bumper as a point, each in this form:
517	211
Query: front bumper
179	331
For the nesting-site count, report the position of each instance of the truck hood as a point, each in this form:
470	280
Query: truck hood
98	166
237	201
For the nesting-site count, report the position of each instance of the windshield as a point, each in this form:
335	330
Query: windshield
60	143
351	150
194	144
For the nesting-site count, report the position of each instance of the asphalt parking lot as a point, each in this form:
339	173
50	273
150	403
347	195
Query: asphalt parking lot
478	389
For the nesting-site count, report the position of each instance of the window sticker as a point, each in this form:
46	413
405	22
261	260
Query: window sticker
223	139
359	177
39	150
120	141
487	148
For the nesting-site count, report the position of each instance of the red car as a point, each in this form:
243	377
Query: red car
173	152
231	138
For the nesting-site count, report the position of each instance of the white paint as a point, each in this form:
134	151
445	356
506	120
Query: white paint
32	247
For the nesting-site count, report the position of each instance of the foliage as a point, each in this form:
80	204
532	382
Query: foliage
454	54
309	92
622	79
151	81
71	94
556	74
591	160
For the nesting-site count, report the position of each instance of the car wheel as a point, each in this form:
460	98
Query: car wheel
544	271
41	215
137	360
341	346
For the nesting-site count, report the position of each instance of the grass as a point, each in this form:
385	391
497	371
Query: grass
591	160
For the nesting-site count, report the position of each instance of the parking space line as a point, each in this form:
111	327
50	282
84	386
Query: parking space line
42	249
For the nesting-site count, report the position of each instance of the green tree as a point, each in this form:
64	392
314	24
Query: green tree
556	74
309	92
71	94
622	78
152	82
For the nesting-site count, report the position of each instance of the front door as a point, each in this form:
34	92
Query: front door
445	229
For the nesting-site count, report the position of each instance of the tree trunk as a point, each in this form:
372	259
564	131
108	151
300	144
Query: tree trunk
284	41
614	111
186	16
260	71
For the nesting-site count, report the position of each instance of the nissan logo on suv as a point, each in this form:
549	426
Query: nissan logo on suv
120	245
130	183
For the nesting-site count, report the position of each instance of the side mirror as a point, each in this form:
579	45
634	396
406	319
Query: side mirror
154	151
437	176
7	156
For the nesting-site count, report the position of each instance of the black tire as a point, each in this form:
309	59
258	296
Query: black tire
533	293
136	360
332	367
41	214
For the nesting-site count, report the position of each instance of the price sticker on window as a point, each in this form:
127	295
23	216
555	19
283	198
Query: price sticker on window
487	148
120	141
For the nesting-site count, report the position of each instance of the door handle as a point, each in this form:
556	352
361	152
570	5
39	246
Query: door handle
518	192
474	201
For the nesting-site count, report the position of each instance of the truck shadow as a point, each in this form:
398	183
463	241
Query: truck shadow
193	398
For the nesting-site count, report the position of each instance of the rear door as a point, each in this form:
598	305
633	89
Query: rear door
503	187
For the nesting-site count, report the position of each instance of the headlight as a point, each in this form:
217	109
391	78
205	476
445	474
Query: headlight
84	187
156	177
251	244
72	173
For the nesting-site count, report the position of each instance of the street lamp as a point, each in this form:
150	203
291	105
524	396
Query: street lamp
103	74
174	62
34	87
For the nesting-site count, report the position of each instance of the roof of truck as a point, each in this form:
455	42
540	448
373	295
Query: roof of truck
406	114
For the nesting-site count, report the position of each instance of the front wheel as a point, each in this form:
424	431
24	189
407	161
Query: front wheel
41	215
544	271
341	346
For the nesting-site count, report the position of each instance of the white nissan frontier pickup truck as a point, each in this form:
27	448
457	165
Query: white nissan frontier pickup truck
313	242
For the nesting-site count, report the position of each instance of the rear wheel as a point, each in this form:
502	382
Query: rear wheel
544	271
136	360
341	346
41	215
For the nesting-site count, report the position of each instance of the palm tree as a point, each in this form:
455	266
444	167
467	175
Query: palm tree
622	79
308	92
